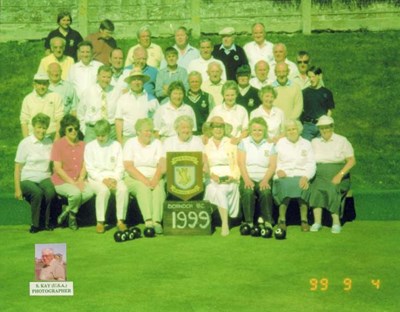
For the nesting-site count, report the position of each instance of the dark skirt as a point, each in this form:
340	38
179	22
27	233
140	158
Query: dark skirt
288	188
323	193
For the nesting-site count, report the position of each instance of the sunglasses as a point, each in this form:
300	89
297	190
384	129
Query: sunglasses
217	125
70	129
303	62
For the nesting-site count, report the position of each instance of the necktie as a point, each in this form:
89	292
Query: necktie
104	114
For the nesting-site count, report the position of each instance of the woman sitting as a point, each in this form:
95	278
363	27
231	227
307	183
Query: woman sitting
295	168
257	163
335	158
144	163
32	172
69	177
223	187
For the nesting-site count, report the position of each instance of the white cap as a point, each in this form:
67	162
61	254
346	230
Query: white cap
41	76
325	120
227	31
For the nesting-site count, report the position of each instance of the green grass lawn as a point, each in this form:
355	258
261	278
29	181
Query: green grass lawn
211	273
362	69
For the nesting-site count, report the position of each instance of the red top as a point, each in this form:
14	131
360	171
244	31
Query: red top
70	156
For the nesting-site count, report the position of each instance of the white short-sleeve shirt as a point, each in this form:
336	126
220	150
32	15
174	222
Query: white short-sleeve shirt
145	158
35	157
275	119
236	116
257	157
335	150
166	115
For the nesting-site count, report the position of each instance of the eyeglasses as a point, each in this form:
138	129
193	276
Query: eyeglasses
303	62
70	129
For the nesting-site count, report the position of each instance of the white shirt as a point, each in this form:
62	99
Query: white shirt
154	55
258	84
131	107
201	65
256	53
35	157
275	119
174	144
222	160
214	90
50	104
89	107
293	70
83	76
335	150
236	116
145	158
104	161
295	159
166	115
257	157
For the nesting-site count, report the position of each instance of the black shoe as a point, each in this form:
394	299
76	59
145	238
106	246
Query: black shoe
34	229
49	227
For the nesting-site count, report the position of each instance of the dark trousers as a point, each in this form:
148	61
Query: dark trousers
40	196
251	199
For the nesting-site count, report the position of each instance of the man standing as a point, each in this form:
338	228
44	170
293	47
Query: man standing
289	98
232	55
140	64
171	73
98	102
154	51
41	100
83	74
259	48
280	56
117	66
186	53
213	85
105	168
103	42
201	64
261	78
63	88
318	101
133	105
201	102
57	46
248	95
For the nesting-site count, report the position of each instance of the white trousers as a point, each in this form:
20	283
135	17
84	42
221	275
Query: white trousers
103	195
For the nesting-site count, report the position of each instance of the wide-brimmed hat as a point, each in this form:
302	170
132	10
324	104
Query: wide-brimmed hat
137	73
325	120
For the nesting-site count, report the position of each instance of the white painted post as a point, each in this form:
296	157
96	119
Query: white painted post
306	16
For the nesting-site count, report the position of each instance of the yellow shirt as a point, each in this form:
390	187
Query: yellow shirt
65	64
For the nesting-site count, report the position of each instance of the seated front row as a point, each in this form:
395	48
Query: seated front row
253	173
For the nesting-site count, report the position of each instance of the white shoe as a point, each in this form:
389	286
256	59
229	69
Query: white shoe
336	229
315	227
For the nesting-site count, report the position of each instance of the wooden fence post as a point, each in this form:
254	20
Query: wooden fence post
83	17
306	16
195	18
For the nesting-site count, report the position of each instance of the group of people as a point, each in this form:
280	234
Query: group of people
98	123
